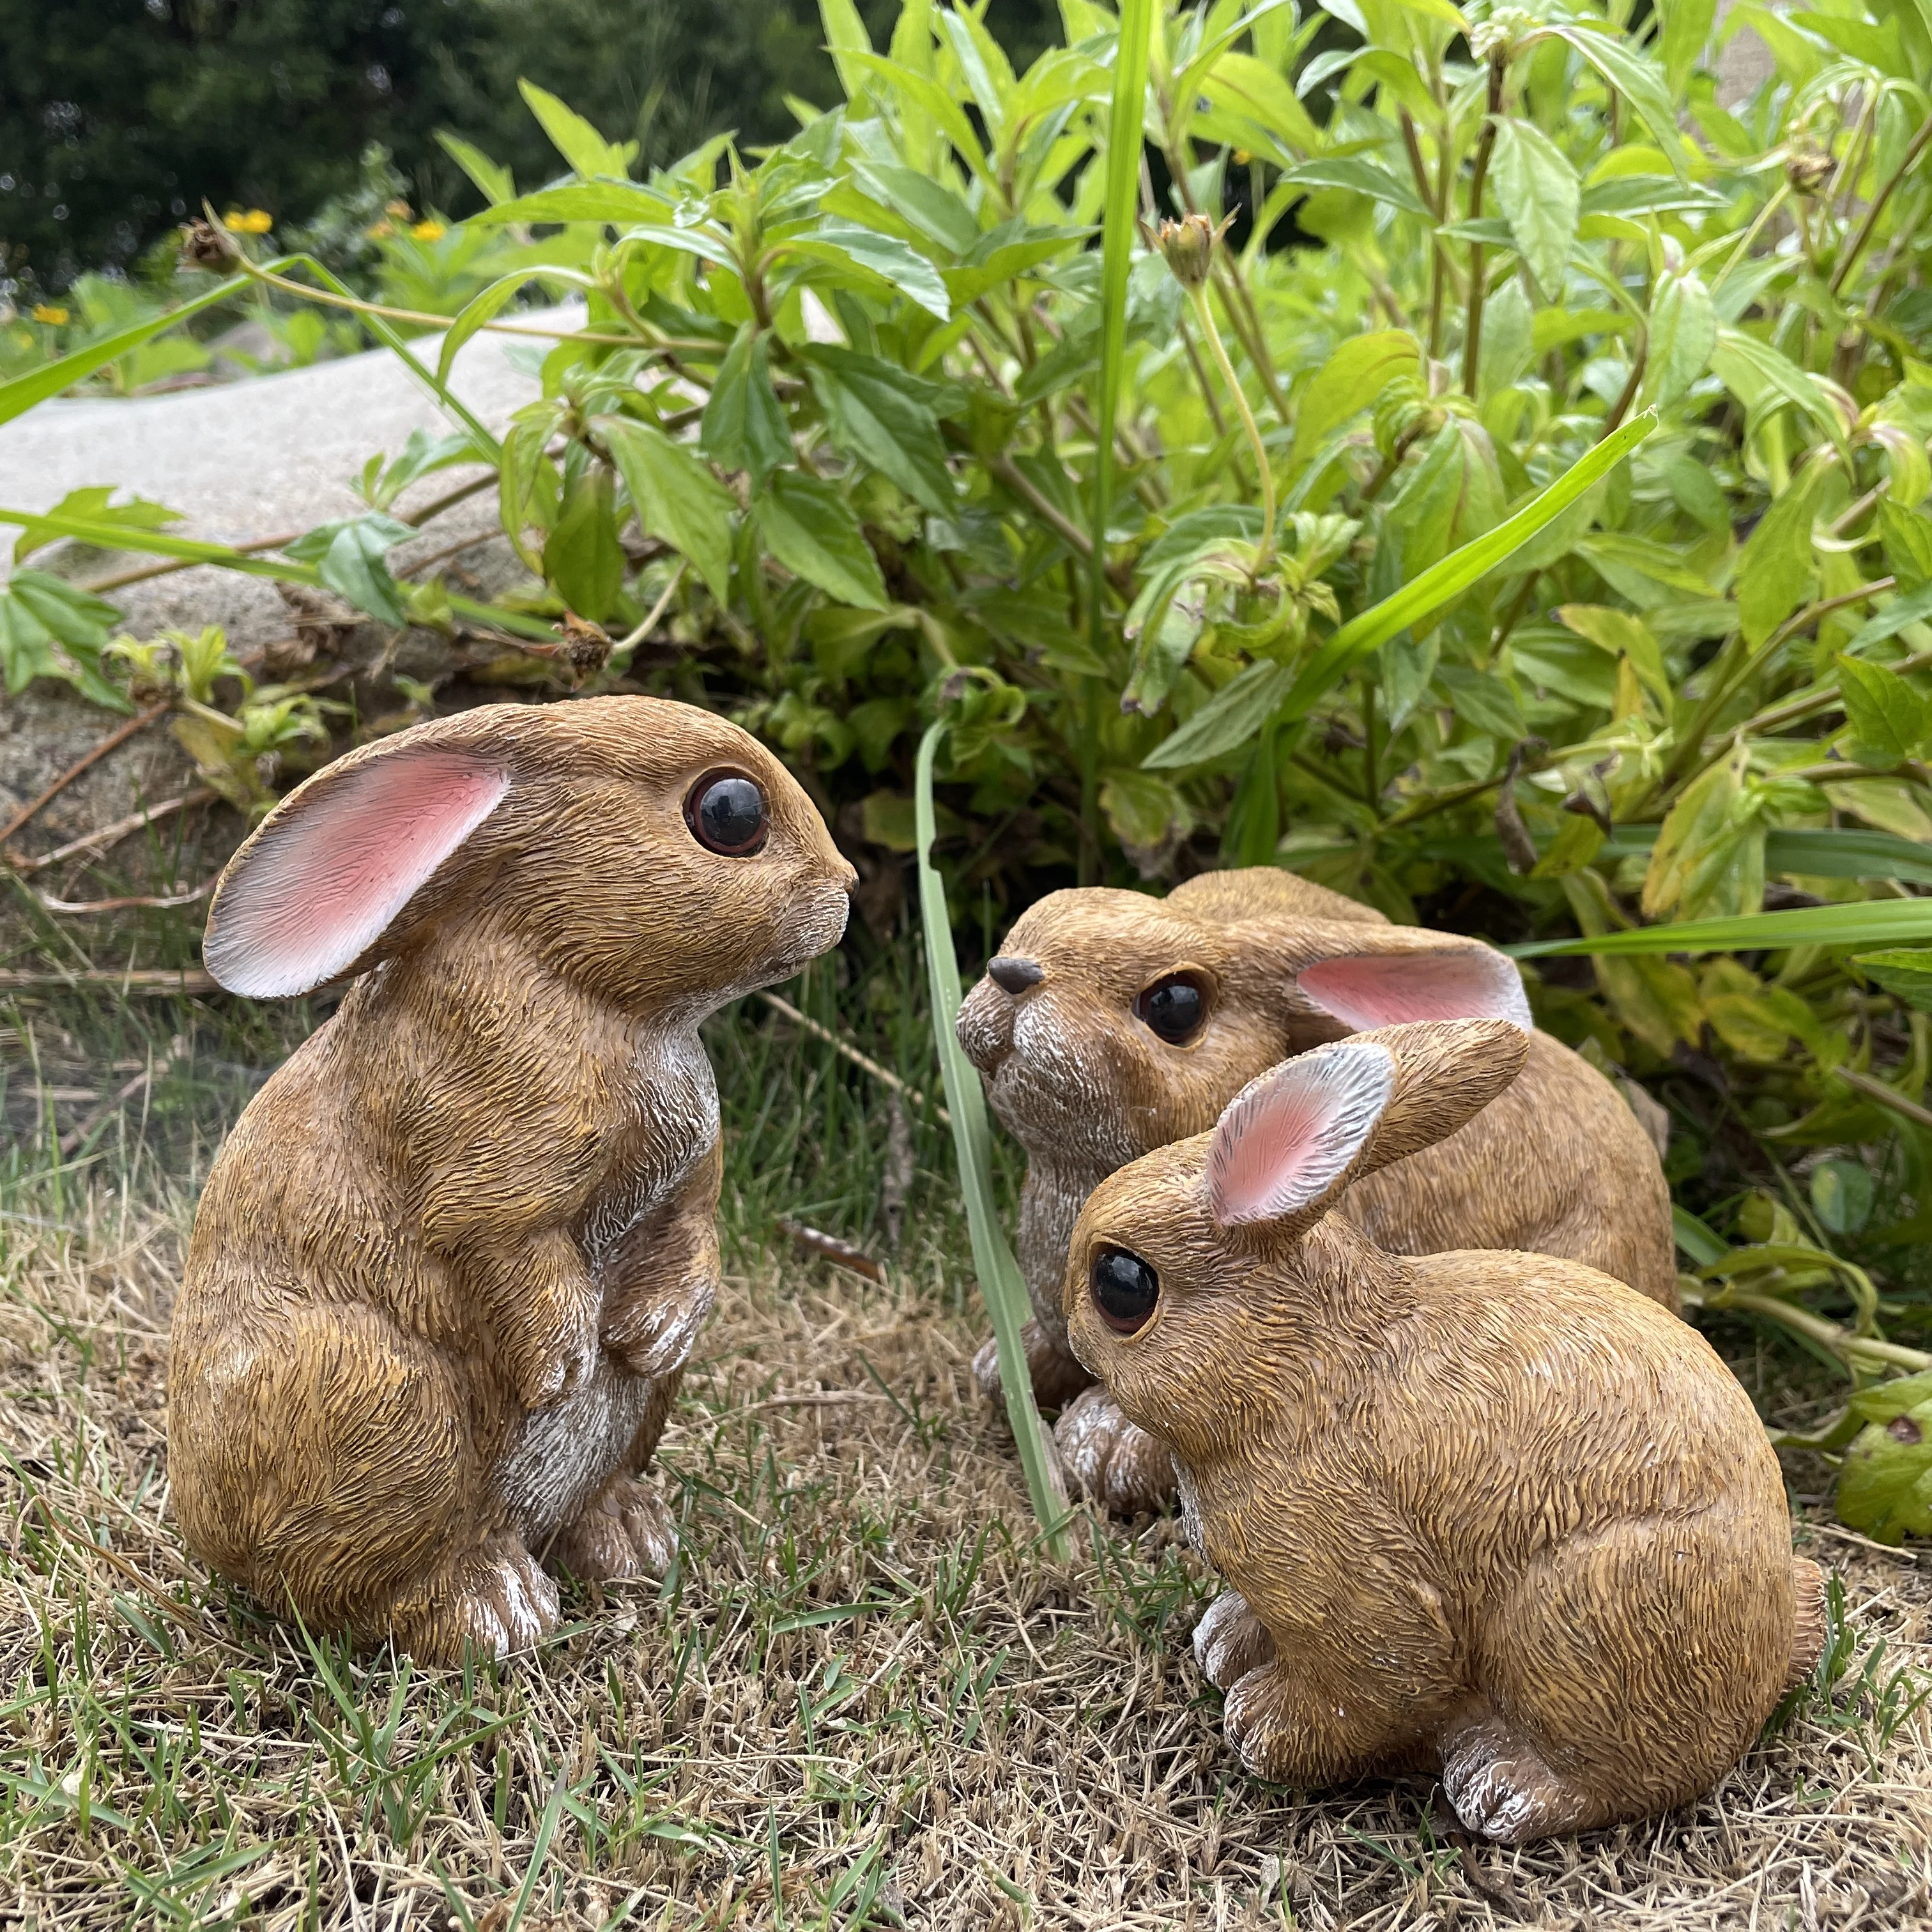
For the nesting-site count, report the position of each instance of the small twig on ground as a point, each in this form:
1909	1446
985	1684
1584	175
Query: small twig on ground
806	1398
111	835
1897	1552
848	1050
157	901
186	979
815	1242
114	739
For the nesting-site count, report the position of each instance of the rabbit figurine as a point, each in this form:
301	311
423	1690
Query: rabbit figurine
1490	1513
1113	1023
451	1264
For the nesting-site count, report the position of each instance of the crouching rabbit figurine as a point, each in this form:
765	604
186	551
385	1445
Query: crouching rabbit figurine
1488	1513
451	1264
1113	1023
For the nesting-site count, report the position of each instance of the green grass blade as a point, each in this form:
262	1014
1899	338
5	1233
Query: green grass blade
1000	1282
1362	636
23	392
192	550
1821	852
1117	254
1871	921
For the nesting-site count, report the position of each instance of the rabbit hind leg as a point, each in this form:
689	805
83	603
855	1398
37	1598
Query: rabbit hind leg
1500	1785
489	1600
624	1529
1230	1640
1057	1376
1303	1721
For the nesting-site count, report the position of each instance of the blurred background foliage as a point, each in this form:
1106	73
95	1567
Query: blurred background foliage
117	116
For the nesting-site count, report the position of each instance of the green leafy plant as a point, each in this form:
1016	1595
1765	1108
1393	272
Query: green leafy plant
1517	518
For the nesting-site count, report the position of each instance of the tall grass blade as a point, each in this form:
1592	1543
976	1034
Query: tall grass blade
1859	924
1362	636
1000	1282
23	392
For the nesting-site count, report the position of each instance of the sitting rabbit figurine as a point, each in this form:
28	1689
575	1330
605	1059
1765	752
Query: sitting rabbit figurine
1113	1023
1493	1512
450	1265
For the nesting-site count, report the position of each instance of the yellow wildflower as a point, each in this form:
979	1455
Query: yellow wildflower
429	231
1242	157
51	314
256	221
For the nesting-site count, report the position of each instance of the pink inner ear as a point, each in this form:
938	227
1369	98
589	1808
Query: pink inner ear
328	872
1286	1138
1367	990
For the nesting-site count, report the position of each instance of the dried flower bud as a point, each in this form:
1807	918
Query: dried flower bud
1188	246
1498	35
206	246
1806	168
586	645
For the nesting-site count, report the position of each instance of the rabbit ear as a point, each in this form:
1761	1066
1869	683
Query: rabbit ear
337	859
1378	988
1288	1140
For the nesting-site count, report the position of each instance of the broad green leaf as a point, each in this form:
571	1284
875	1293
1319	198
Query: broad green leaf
929	205
529	488
494	183
1362	636
879	413
881	256
1619	631
845	34
1841	1195
480	308
1885	1483
744	427
1484	699
675	495
1244	85
1001	1283
582	557
1351	379
1683	333
93	504
1915	608
1905	972
22	392
1753	371
1889	721
349	557
624	203
1687	30
1539	193
1776	566
1634	76
49	627
1908	544
926	93
1708	859
1226	721
1360	175
812	531
574	139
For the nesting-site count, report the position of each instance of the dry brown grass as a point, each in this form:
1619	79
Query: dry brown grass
863	1700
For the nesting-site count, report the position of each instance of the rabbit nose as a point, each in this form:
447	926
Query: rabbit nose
1014	975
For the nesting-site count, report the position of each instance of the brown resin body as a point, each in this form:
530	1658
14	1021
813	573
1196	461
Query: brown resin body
1557	1166
450	1265
1490	1514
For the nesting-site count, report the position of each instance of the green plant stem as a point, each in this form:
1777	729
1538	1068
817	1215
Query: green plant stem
1205	315
1840	1341
1432	195
1856	246
1826	698
1472	342
329	299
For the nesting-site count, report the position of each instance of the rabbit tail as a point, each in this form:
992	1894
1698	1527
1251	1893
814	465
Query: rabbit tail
1808	1630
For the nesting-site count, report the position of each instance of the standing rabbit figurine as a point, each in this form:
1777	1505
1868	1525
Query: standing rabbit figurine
1490	1513
450	1265
1113	1023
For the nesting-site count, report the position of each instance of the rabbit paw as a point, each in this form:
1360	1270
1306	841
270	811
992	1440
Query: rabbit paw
624	1530
557	1366
1230	1641
1501	1786
1115	1461
491	1602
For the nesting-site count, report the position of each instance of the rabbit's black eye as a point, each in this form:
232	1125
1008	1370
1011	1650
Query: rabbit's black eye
1174	1008
1124	1289
726	813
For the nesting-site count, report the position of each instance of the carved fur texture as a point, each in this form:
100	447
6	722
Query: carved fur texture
1488	1513
1556	1165
450	1265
